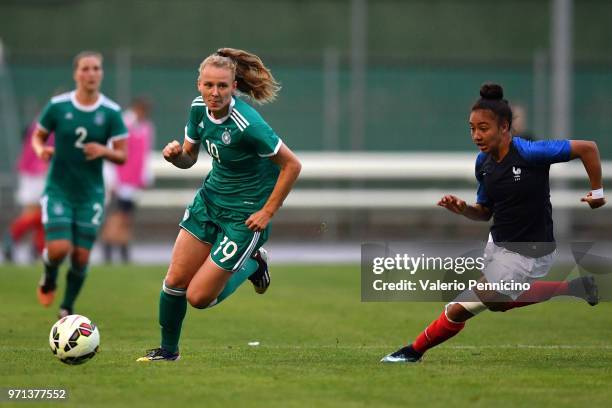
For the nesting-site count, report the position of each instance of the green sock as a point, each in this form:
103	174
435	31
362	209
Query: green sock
74	283
51	270
172	310
236	280
51	273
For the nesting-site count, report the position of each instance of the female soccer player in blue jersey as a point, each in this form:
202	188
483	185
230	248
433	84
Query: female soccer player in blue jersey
219	244
513	188
84	122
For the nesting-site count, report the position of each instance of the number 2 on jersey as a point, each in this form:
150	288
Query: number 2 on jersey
98	210
82	134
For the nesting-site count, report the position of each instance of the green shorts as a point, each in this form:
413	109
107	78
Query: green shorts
232	243
77	222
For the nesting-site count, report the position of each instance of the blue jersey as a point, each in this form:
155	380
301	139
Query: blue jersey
517	192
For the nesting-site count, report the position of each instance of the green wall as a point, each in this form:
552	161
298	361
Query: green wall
444	30
426	60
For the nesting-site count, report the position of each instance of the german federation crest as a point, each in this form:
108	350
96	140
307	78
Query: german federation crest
226	137
99	118
58	209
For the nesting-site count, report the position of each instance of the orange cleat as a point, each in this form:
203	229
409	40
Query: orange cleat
45	298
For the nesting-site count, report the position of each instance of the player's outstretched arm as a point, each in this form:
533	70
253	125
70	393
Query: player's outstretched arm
588	153
290	168
456	205
183	156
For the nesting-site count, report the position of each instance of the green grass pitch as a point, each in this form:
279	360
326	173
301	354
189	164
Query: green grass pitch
319	347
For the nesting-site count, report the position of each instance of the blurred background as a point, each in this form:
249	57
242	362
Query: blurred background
375	101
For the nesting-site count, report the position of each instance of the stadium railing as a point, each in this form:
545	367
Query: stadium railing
357	169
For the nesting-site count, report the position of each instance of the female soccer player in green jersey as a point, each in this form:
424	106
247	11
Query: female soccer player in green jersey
219	244
84	122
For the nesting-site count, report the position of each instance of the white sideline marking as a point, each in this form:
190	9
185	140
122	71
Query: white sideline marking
376	347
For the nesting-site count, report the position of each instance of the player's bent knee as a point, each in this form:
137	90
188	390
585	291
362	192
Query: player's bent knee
178	277
200	298
201	301
58	250
80	257
459	312
468	304
465	310
174	280
197	305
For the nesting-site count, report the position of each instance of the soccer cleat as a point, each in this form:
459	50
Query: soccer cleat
591	292
159	354
45	291
63	312
404	355
585	288
261	277
45	298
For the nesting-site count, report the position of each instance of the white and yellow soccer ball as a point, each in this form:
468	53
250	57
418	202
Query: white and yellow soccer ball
74	339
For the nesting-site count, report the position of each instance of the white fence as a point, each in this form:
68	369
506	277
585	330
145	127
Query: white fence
370	167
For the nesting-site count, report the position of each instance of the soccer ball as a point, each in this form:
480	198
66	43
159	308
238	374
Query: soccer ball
74	339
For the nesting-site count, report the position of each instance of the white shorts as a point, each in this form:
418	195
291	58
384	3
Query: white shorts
126	192
29	189
503	264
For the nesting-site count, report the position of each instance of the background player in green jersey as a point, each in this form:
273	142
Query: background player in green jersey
219	244
84	122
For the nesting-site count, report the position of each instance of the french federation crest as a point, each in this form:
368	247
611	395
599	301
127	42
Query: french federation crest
517	173
99	118
226	137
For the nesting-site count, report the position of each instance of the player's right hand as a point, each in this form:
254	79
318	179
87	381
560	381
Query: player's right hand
453	204
172	150
593	202
45	153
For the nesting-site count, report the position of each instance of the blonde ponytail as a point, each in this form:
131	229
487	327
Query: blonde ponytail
252	76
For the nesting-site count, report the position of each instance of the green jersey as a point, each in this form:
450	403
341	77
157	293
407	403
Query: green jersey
240	144
74	125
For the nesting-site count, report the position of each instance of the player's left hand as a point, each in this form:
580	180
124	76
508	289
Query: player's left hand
259	220
94	150
593	202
